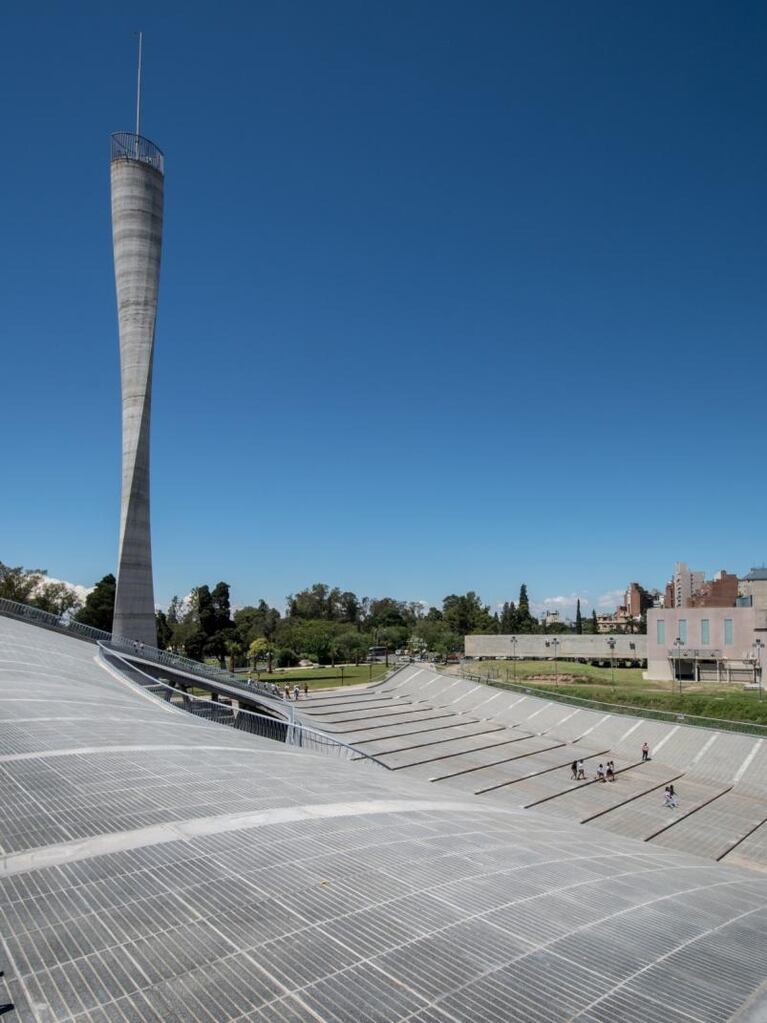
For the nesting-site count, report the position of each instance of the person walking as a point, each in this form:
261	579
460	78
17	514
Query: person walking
306	688
574	770
669	797
296	692
581	776
286	692
645	752
600	773
610	771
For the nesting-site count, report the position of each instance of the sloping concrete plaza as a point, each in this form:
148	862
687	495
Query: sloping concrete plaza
155	866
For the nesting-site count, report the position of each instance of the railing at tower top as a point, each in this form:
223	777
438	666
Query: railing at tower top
126	145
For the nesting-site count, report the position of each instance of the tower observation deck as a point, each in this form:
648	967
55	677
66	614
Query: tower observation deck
137	170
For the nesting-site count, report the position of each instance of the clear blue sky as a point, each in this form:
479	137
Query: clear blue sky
453	296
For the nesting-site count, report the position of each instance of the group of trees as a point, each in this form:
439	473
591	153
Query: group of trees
31	586
327	624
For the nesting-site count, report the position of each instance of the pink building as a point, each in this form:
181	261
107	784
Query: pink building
725	644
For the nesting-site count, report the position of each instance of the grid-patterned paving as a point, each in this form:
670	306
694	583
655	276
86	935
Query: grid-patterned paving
225	878
712	761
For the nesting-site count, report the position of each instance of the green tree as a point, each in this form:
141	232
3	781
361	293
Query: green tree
252	622
55	598
19	583
525	621
310	603
258	649
99	608
164	631
203	610
235	649
435	635
222	608
467	614
508	623
594	622
350	608
352	645
578	618
217	647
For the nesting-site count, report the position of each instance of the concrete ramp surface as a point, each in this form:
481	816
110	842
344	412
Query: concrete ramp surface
161	867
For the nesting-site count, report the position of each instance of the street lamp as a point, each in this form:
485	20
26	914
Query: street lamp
555	644
514	656
758	644
612	645
678	662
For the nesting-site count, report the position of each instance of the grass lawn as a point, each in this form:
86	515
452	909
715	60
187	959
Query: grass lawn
723	700
323	678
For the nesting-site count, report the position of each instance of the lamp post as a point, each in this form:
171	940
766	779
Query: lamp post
678	661
611	644
758	644
514	656
555	644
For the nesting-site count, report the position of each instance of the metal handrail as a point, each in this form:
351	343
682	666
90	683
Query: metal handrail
127	145
70	626
675	717
249	721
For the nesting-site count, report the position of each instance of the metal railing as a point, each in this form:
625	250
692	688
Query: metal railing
67	625
673	717
127	145
220	713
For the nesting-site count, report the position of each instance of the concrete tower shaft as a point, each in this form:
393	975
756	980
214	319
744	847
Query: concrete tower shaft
137	175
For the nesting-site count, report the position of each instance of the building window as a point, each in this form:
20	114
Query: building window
728	632
705	636
683	629
660	630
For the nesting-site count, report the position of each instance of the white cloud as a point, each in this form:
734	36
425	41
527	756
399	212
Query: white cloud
81	591
612	599
569	600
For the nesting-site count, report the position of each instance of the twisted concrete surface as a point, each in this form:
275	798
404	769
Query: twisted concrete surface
137	212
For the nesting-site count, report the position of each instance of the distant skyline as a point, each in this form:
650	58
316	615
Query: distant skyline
452	298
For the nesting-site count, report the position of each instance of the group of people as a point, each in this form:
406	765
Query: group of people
605	772
274	690
286	693
270	687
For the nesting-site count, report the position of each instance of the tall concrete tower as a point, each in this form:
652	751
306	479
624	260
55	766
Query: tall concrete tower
137	172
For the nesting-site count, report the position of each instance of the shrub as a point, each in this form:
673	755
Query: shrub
286	658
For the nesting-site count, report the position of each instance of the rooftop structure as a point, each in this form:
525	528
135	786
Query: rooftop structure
752	589
721	591
159	867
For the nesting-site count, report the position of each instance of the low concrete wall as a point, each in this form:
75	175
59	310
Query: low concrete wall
540	647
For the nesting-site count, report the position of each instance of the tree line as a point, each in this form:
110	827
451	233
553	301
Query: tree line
321	623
